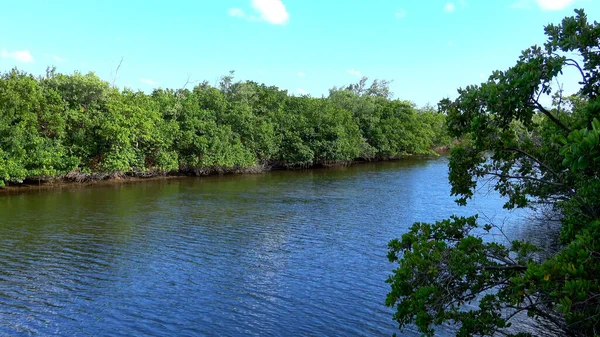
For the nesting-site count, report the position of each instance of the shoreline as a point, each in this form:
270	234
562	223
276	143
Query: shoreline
76	179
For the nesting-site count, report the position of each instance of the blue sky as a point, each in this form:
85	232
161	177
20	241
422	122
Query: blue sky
427	48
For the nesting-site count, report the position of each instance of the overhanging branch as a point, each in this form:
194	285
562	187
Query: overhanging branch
549	115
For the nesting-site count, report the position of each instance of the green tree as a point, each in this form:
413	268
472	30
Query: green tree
80	127
85	99
32	130
535	154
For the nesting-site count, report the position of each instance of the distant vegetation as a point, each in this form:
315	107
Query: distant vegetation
77	127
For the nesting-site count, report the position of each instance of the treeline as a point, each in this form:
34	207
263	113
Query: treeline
77	126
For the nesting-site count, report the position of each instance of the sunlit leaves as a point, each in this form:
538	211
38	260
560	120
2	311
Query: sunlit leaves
61	124
530	154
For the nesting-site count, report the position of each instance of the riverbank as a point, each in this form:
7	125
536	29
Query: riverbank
76	178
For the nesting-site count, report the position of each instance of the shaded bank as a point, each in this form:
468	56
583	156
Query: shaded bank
81	179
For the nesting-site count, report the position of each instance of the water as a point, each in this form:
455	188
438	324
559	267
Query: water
278	254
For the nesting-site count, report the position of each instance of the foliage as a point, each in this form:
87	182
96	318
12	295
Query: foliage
532	155
390	128
58	123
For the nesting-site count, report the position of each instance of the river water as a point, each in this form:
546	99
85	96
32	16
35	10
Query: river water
277	254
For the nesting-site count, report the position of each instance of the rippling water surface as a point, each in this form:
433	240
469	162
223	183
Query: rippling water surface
279	254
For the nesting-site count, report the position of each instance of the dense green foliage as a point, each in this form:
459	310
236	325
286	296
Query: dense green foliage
75	126
533	155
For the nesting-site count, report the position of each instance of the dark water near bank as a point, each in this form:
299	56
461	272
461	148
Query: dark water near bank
279	254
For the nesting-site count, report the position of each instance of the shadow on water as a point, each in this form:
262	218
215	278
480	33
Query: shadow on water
283	253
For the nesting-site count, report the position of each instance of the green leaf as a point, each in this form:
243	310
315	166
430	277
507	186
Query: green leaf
583	162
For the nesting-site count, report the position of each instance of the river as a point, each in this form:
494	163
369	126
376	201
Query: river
278	254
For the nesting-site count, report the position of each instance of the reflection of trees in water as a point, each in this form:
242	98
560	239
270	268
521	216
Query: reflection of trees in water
543	231
541	228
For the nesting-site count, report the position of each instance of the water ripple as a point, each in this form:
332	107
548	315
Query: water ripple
280	254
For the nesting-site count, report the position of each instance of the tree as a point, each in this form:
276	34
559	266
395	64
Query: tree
32	130
79	127
532	154
389	128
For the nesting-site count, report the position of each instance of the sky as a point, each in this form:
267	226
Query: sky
428	49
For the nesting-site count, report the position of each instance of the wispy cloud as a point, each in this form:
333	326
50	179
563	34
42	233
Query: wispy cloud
400	13
236	12
547	5
301	91
19	55
58	58
451	7
354	72
301	74
147	81
271	11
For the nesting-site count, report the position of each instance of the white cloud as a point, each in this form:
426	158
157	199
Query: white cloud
400	13
301	74
236	12
58	58
19	55
147	81
547	5
271	11
301	91
462	3
450	43
449	7
481	75
354	72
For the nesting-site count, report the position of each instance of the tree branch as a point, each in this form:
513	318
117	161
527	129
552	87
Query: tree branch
508	176
188	81
530	156
514	267
576	65
117	72
549	115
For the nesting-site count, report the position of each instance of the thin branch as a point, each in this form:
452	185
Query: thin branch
508	176
533	308
530	156
117	72
560	95
502	268
570	191
188	81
